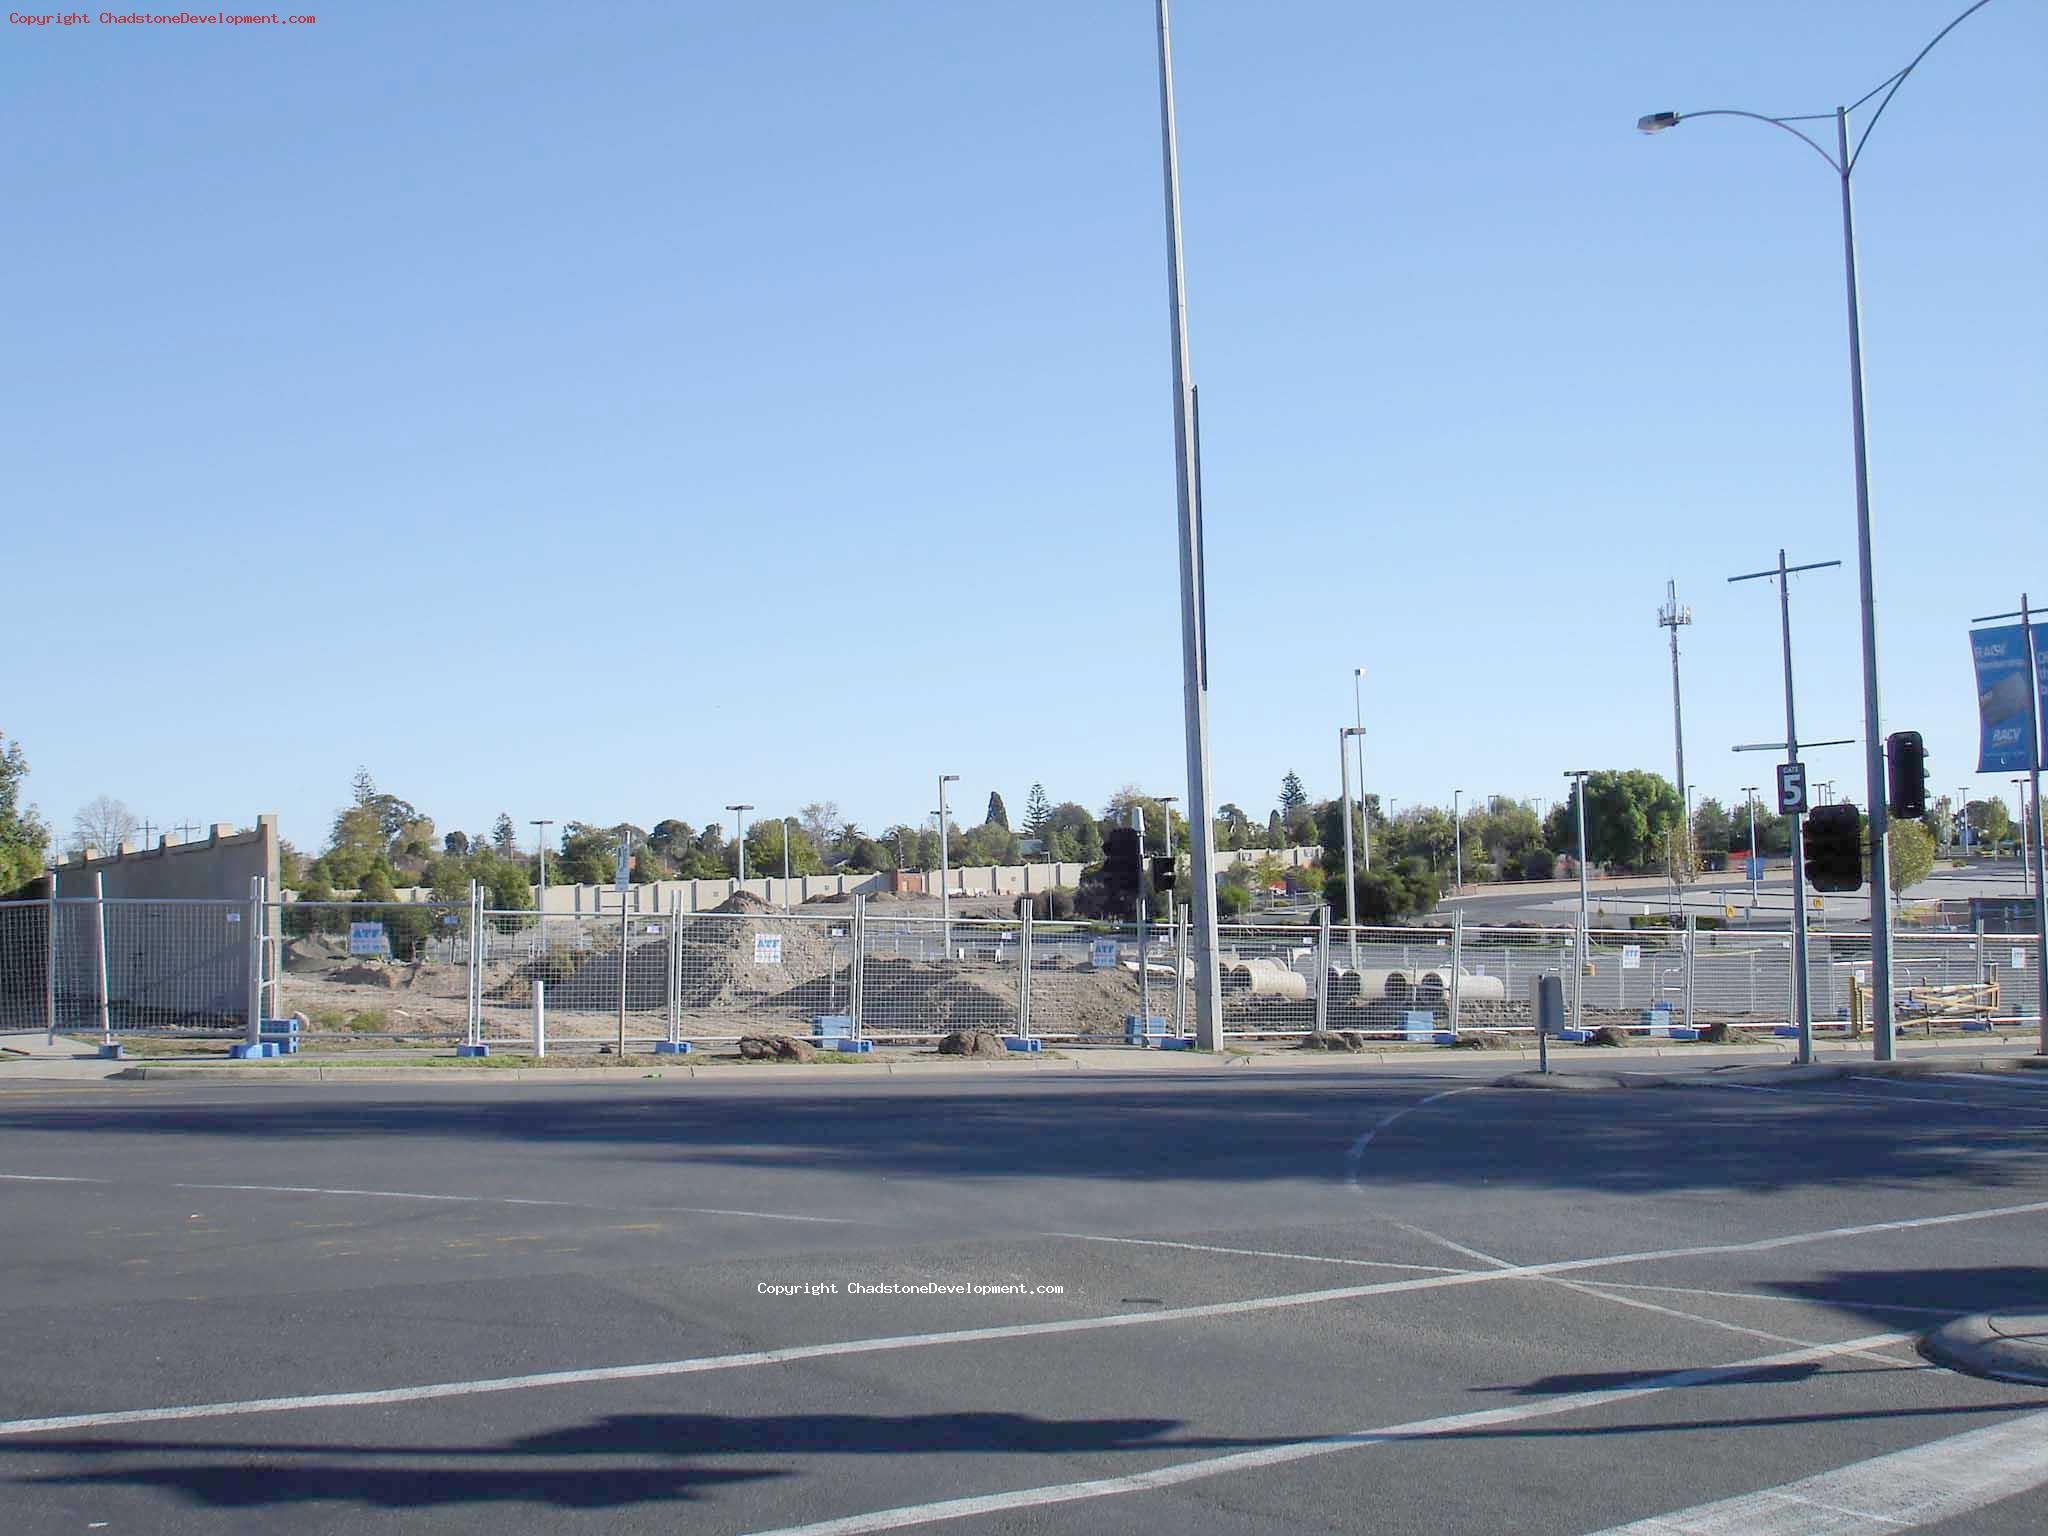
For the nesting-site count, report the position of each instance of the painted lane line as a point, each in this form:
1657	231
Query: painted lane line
400	1194
51	1178
1806	1301
1302	1450
801	1352
1355	1155
1258	1253
1937	1481
1813	1097
2022	1082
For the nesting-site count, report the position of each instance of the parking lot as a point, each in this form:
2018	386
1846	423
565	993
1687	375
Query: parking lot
1337	1298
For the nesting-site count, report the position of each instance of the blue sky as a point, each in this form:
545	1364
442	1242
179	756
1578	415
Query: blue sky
614	413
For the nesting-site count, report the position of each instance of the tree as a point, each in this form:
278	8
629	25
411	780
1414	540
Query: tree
1072	835
1276	834
1912	855
456	843
1990	822
821	822
505	836
1713	827
1628	817
764	850
1037	811
103	823
1233	827
362	788
24	840
1157	813
998	814
1292	796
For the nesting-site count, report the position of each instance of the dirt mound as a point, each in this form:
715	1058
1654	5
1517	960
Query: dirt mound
973	1042
367	976
776	1048
743	902
918	995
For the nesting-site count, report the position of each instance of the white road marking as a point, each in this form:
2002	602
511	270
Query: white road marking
406	1194
794	1353
1808	1301
2020	1080
1258	1253
1302	1450
1936	1481
1356	1153
1883	1098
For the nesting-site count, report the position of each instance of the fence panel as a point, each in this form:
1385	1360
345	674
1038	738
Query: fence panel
1500	966
24	964
377	970
924	976
1086	981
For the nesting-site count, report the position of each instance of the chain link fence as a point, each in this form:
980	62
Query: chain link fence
457	972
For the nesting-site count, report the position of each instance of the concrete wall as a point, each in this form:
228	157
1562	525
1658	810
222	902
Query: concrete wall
702	895
218	868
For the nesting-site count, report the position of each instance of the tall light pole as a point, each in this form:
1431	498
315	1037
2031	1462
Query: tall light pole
540	842
1365	811
1963	815
1194	638
1578	776
1674	616
1168	802
945	884
1756	863
1458	842
739	836
1843	163
1350	876
2019	794
785	860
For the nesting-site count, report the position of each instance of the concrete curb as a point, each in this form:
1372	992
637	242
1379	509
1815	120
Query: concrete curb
2005	1346
1793	1074
1580	1082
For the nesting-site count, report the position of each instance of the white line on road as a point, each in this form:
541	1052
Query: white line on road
1258	1253
795	1353
1806	1301
2020	1080
1813	1097
1356	1154
1302	1450
1936	1481
406	1194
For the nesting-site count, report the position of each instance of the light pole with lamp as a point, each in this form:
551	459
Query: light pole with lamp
2019	795
739	836
785	861
1843	162
1458	843
540	906
945	885
1579	777
1350	875
1756	863
1365	812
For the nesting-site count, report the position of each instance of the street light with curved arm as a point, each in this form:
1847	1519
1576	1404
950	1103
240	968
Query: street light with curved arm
1843	163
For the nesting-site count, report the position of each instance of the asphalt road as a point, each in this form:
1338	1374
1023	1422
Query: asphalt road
1328	1300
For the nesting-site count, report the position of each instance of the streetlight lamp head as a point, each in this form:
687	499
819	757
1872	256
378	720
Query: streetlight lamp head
1657	122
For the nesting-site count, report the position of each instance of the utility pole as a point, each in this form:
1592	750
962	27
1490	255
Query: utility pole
1756	863
1365	811
945	885
1673	616
739	836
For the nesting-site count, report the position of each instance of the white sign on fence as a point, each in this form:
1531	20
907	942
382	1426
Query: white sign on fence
2019	958
367	939
1631	957
1103	955
767	949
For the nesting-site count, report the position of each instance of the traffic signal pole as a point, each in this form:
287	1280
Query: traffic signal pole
1802	999
2037	848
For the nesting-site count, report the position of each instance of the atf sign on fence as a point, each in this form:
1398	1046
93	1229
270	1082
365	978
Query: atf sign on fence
1103	955
367	939
767	949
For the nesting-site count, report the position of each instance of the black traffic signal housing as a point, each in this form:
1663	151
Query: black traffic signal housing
1833	840
1123	865
1162	873
1906	775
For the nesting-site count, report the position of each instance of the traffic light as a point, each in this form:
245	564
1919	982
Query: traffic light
1834	848
1162	873
1123	865
1906	761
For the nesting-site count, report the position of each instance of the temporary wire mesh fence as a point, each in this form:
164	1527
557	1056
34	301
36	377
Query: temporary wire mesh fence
446	972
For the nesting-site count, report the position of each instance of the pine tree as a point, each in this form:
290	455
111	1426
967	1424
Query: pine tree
1037	812
504	835
1275	836
1292	796
362	788
998	814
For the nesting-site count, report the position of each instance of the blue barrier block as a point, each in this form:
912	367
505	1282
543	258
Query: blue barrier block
831	1025
1019	1043
277	1027
1977	1026
847	1045
1674	1032
241	1050
1176	1043
1134	1034
1786	1031
1445	1037
111	1052
1577	1036
472	1050
671	1047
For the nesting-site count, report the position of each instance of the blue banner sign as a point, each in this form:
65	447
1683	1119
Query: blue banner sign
2002	702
